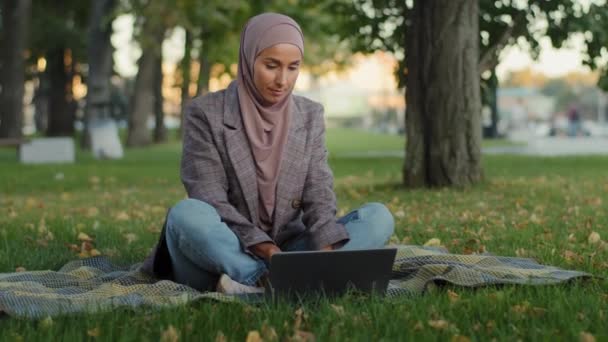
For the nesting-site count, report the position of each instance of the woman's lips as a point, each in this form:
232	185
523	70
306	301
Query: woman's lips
276	92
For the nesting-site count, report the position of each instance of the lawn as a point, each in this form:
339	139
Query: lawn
544	208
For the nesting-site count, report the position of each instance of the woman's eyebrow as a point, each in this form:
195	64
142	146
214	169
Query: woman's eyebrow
274	60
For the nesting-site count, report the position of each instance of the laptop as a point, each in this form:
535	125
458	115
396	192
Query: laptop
330	273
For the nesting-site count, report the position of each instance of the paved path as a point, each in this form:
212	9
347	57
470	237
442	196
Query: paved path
555	146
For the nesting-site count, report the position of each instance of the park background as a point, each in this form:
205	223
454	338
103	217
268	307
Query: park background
534	186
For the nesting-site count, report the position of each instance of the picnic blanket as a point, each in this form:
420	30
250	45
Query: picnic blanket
96	284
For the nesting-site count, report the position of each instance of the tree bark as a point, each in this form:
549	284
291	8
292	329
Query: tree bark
61	117
186	66
160	130
99	50
143	103
15	14
204	73
443	116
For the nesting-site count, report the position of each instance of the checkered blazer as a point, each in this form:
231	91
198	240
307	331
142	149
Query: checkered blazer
217	167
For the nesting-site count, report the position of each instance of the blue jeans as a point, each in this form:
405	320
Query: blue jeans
202	247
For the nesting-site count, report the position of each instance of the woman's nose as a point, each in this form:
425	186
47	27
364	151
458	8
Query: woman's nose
281	78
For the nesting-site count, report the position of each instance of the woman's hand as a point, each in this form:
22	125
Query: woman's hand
328	248
265	250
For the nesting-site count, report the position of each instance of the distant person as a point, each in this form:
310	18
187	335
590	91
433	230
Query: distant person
255	167
574	121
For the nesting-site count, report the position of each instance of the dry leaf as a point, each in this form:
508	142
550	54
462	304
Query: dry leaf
93	252
95	332
305	336
220	337
169	335
46	323
434	242
460	338
268	333
338	309
20	269
594	238
418	326
586	337
122	216
84	237
453	296
439	324
130	237
92	212
253	336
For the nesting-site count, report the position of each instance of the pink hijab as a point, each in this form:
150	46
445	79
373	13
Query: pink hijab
266	126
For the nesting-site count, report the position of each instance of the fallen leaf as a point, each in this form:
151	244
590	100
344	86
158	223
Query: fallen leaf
305	336
453	296
434	242
92	212
268	333
460	338
84	237
46	323
130	237
594	238
439	324
20	269
122	216
253	336
418	326
338	309
169	335
95	332
93	252
220	337
586	337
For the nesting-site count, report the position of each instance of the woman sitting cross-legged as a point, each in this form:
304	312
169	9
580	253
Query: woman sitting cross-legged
255	167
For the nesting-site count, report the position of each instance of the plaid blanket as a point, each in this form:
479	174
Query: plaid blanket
96	284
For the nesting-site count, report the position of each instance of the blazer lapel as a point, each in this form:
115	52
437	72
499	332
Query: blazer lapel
293	152
239	151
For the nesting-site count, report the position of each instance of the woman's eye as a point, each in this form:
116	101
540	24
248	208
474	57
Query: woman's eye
293	68
271	66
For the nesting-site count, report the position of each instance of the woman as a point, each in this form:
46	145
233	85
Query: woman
254	165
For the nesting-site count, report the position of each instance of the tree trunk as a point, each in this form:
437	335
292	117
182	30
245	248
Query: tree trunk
15	14
61	118
160	131
100	65
186	66
143	103
443	124
204	73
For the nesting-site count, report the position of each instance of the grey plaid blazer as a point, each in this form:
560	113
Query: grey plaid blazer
217	167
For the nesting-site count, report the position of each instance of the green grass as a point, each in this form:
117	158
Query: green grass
543	208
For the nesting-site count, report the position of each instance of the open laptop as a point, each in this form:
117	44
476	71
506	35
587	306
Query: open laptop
330	273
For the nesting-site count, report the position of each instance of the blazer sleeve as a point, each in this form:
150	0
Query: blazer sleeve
318	197
204	177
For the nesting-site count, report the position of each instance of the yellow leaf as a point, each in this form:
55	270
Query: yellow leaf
122	216
586	337
130	237
338	309
268	333
439	324
46	323
460	338
20	269
169	335
254	336
594	238
220	337
84	237
453	296
434	242
93	252
93	332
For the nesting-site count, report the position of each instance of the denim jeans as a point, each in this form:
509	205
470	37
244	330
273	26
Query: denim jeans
202	247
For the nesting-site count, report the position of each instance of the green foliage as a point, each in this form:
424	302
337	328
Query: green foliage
382	25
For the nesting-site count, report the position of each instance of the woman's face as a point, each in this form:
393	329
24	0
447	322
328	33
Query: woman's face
275	71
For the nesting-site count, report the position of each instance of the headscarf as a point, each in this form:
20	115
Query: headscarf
266	127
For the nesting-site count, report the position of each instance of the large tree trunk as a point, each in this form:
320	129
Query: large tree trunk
100	65
443	123
143	103
61	115
15	14
160	130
